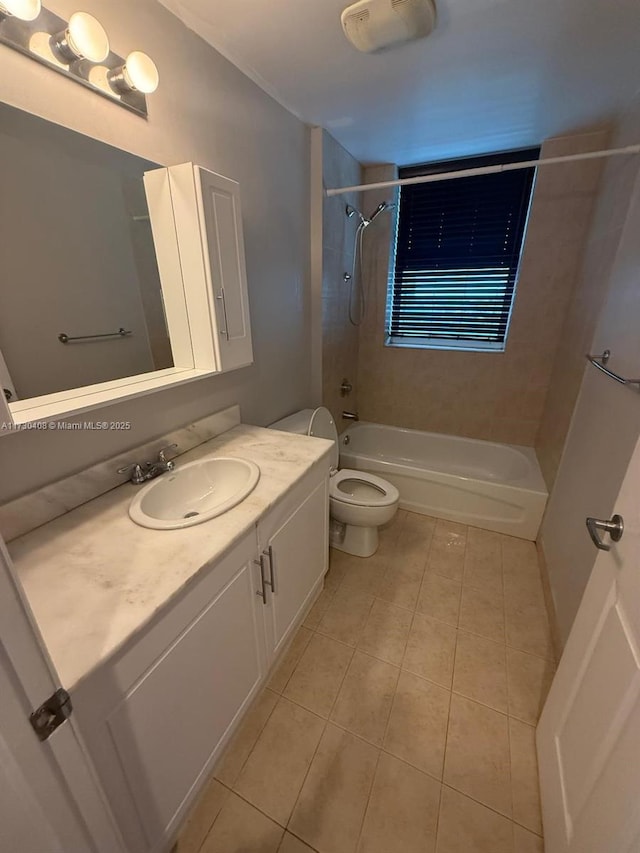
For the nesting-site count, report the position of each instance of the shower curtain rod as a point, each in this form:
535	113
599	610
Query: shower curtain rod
486	170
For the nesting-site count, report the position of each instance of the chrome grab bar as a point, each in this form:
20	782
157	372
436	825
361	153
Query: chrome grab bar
67	339
600	361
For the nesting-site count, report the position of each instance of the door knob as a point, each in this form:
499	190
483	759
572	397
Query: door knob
614	527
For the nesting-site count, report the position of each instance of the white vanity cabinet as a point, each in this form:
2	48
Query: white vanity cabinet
156	715
196	220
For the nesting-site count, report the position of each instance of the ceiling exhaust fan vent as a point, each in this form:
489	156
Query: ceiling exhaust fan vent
373	25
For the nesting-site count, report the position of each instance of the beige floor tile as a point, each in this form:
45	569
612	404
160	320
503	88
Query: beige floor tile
291	844
518	552
524	776
525	841
402	814
467	827
430	650
386	631
240	828
285	668
332	803
361	576
273	775
448	545
483	560
201	818
233	759
439	598
477	759
337	570
482	612
528	630
523	588
413	544
364	702
346	617
400	588
528	681
316	680
417	729
522	578
319	608
480	671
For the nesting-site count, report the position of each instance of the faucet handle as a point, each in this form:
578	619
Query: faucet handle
162	453
137	474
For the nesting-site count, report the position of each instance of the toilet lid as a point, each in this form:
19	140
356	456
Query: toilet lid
360	488
322	425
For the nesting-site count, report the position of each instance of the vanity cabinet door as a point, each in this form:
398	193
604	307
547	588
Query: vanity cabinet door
295	555
164	710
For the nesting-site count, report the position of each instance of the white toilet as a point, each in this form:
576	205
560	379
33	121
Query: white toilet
359	502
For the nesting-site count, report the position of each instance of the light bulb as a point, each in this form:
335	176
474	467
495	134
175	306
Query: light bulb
140	73
84	38
26	10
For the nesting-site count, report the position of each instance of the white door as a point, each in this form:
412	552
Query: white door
50	801
589	732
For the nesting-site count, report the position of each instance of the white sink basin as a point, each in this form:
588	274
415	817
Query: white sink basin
194	493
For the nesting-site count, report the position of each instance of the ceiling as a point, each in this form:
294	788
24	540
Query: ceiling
495	74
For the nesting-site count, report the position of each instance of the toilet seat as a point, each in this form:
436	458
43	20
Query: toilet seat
359	488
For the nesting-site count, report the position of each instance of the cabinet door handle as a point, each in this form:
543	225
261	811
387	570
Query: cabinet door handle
272	582
262	592
224	331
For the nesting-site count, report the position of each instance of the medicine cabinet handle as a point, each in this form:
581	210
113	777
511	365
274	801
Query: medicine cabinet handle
224	331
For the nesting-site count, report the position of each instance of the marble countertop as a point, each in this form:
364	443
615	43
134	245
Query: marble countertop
93	578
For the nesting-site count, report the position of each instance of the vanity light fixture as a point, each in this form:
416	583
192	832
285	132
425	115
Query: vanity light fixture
25	10
138	74
79	49
83	38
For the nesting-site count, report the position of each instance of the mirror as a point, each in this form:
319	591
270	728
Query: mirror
80	295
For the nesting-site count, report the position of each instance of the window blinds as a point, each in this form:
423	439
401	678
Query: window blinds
457	254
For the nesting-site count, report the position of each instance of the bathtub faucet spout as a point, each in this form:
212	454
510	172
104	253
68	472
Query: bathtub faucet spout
350	416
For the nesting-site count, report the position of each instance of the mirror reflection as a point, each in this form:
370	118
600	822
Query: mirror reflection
80	295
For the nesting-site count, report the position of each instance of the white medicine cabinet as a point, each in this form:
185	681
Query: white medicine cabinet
197	229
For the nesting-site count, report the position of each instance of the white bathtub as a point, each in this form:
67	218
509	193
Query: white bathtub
495	486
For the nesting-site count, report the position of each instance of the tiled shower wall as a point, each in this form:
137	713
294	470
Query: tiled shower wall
339	337
616	189
494	396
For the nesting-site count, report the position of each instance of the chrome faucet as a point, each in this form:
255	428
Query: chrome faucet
141	472
350	416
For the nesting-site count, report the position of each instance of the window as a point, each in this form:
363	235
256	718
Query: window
457	253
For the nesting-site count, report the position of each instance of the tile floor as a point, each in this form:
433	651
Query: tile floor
402	717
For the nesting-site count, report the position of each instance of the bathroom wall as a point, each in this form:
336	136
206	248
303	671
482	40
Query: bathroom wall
606	422
494	396
205	111
340	336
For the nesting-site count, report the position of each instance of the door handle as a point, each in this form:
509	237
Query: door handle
263	591
272	574
614	527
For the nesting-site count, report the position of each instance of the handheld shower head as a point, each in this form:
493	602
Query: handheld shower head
385	205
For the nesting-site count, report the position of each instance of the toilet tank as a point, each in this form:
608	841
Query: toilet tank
315	422
299	422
